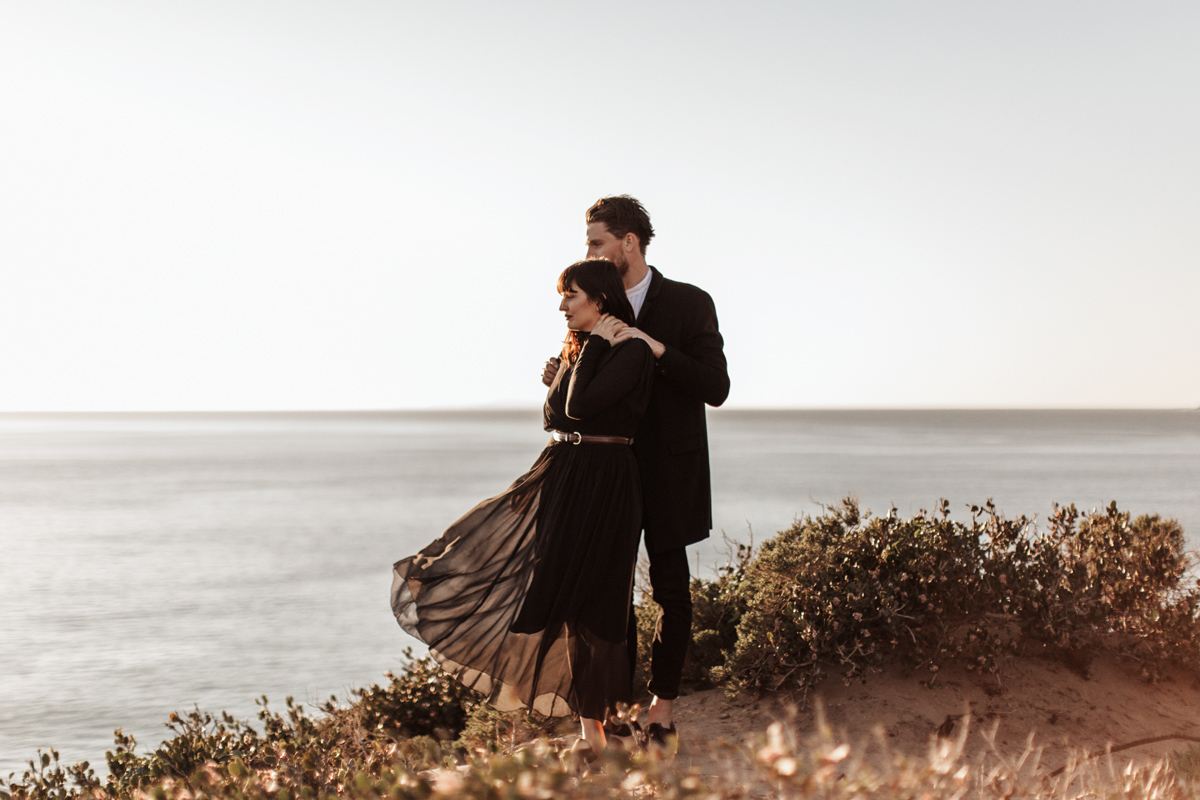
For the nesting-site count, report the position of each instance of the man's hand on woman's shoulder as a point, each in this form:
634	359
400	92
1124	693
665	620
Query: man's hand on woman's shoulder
629	332
609	328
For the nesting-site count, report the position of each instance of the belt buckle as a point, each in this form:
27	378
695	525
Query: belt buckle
575	441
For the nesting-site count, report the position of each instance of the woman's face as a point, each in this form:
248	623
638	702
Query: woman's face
581	311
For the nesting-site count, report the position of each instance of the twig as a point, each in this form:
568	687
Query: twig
1151	740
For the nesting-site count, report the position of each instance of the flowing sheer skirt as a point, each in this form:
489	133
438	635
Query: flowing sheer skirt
526	597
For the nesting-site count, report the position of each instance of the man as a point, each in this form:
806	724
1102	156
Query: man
679	322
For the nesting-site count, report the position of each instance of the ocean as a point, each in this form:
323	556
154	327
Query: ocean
157	562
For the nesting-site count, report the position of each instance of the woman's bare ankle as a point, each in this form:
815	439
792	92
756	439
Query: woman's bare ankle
592	731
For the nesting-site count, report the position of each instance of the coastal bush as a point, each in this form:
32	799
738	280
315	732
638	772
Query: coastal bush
422	701
846	590
1105	576
296	752
488	728
717	608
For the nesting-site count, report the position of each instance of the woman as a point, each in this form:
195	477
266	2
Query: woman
526	597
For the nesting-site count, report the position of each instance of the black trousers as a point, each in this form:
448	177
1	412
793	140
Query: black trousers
670	586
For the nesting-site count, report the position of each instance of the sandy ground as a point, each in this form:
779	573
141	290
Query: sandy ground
1065	711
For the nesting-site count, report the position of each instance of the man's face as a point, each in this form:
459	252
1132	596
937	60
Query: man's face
602	244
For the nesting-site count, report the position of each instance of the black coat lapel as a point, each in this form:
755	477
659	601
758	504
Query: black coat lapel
656	284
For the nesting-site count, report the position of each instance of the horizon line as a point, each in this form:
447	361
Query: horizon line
533	408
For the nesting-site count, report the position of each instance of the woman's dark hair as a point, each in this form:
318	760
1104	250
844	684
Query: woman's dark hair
600	280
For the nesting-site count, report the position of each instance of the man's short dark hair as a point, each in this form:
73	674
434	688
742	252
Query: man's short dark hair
622	214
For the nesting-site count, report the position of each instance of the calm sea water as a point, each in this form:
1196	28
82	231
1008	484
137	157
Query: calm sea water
156	562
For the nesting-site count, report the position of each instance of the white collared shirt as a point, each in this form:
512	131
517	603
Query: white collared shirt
637	294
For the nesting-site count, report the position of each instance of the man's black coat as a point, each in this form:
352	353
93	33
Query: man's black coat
672	441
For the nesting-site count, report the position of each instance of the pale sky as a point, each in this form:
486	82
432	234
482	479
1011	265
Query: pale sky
353	204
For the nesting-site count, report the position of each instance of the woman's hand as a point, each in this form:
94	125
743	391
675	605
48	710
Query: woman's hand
608	328
550	370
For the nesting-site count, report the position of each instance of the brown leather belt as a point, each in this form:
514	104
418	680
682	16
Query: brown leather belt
587	438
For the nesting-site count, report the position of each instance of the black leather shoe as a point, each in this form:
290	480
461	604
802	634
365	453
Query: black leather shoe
662	739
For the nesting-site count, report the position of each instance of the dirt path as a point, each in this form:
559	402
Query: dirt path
1066	711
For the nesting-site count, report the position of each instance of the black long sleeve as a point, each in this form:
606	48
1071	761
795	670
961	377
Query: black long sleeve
594	388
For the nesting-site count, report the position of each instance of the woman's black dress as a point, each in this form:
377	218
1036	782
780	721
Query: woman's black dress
526	597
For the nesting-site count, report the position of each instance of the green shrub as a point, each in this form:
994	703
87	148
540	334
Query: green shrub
717	608
295	752
1110	577
845	590
486	728
422	701
199	738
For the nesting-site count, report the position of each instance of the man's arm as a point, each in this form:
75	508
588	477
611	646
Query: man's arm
698	366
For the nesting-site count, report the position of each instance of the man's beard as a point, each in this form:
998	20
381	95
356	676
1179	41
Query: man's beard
622	265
